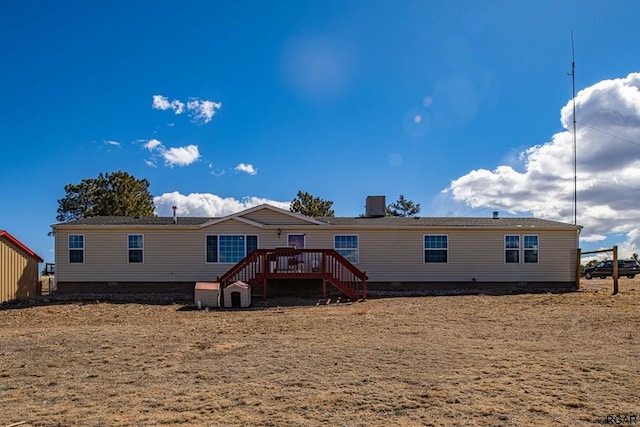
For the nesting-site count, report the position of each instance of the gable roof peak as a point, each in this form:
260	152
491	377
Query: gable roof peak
18	243
276	209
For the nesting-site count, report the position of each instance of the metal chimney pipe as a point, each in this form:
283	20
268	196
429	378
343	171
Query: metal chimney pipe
175	214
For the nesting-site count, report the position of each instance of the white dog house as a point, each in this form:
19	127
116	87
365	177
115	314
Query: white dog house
237	294
207	294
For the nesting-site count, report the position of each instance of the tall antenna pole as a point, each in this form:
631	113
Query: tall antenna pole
575	159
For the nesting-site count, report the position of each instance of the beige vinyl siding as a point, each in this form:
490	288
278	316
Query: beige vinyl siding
178	253
269	217
388	255
18	273
171	254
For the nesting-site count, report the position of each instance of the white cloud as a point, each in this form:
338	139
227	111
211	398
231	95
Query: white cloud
608	168
592	238
178	107
162	103
630	246
114	143
214	171
152	144
202	111
174	156
207	205
181	156
247	168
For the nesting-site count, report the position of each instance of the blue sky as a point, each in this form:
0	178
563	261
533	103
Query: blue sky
461	106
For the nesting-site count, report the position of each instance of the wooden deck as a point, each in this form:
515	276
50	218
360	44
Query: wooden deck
264	265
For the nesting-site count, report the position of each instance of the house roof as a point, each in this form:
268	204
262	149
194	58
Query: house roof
467	222
355	222
137	220
240	215
185	221
5	234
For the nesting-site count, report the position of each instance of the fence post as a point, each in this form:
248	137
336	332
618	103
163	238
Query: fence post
578	264
615	270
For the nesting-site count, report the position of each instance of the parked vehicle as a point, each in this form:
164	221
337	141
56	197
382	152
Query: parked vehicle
626	267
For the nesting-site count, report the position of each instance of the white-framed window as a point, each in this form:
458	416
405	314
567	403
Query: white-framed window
229	248
530	248
347	245
135	247
519	249
76	248
297	241
436	248
512	249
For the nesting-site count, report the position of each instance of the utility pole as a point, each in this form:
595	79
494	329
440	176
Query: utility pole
575	149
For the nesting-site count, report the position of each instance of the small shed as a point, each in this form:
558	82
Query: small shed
208	294
19	274
237	294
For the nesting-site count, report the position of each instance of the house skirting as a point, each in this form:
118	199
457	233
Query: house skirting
126	288
459	288
180	291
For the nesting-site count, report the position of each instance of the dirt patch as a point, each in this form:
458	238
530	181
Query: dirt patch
540	359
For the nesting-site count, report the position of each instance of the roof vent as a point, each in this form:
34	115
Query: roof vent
495	214
175	214
376	206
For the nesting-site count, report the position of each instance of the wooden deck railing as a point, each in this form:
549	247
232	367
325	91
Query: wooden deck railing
326	264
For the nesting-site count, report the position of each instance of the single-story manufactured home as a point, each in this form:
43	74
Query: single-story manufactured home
19	269
266	247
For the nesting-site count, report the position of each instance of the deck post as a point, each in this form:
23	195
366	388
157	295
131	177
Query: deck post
264	289
324	287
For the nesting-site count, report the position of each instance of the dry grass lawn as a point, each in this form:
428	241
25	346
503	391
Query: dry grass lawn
538	360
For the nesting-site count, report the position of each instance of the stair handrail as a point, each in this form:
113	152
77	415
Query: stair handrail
241	265
348	264
349	287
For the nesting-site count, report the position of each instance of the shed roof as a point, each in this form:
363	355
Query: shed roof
212	286
6	235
